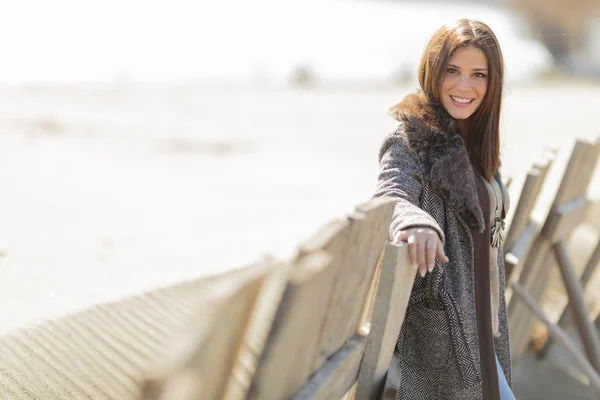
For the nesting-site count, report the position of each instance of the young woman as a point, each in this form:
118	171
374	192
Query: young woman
442	165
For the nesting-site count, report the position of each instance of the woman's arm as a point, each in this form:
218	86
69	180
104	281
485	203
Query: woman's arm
400	178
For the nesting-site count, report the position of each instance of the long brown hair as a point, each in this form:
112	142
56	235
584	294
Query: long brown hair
483	141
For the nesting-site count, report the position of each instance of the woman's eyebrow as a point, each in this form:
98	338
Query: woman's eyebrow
476	69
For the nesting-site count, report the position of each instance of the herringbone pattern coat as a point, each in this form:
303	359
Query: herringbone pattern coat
425	165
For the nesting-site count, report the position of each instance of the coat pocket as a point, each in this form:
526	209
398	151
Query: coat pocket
427	343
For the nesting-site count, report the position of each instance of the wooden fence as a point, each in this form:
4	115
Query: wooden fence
531	252
322	325
317	326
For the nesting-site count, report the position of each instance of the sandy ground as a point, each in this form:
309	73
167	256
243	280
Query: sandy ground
106	193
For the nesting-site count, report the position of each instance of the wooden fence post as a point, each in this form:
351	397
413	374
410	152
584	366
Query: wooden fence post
395	285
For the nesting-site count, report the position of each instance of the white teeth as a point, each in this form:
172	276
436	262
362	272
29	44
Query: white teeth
461	100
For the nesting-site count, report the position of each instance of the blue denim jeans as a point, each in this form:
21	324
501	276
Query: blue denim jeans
505	391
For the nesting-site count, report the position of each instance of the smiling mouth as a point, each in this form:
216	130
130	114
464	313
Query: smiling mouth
461	100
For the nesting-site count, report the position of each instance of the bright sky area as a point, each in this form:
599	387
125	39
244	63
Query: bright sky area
181	40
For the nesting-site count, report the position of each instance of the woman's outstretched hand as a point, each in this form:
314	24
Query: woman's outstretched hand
423	244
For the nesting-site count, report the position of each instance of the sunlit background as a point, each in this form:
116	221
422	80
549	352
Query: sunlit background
134	41
147	142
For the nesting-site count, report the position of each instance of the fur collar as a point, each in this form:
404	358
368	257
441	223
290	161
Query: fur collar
432	134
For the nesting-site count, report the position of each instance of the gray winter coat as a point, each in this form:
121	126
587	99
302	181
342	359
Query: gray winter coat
425	165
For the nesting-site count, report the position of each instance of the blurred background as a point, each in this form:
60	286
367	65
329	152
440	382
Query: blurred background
147	142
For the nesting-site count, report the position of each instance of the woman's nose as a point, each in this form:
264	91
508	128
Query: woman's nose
464	83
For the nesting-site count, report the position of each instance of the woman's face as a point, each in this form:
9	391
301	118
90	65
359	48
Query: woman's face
465	82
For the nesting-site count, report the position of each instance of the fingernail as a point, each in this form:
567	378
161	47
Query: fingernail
430	268
422	273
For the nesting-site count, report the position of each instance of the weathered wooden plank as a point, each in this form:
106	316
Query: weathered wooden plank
565	218
593	215
258	330
395	285
286	362
578	172
518	252
332	338
375	253
591	265
332	238
523	209
588	165
570	176
366	237
201	361
337	375
519	322
539	247
521	234
527	199
369	306
558	334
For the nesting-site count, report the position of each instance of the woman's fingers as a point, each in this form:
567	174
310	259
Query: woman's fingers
441	254
412	249
424	246
421	250
431	248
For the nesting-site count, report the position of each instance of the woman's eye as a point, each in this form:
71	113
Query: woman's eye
452	70
480	75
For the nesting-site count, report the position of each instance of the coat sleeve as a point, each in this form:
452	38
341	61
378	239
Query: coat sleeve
400	178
